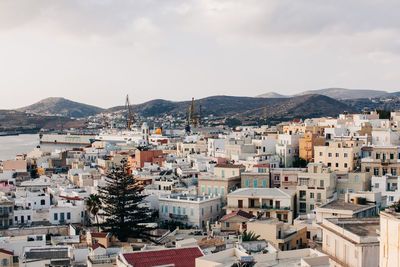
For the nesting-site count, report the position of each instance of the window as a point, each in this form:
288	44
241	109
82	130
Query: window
337	155
179	210
209	190
393	171
227	224
356	179
264	183
4	262
329	164
311	195
223	174
162	208
255	183
29	217
320	153
367	169
55	216
42	202
68	215
166	208
311	206
345	155
217	207
376	185
336	165
233	173
376	171
203	189
330	155
345	165
216	190
384	171
210	209
191	212
222	190
377	156
391	156
246	182
202	211
173	209
319	196
184	211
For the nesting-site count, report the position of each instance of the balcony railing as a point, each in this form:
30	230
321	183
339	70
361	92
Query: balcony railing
274	208
178	216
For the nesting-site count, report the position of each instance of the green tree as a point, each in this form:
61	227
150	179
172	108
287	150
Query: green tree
93	205
249	236
123	209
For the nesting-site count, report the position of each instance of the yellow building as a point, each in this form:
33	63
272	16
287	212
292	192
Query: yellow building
307	143
6	258
389	238
339	155
283	235
351	242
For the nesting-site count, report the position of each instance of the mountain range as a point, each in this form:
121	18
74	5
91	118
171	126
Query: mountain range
314	103
336	93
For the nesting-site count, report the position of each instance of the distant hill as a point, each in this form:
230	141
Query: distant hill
17	120
247	107
342	93
272	95
244	108
61	106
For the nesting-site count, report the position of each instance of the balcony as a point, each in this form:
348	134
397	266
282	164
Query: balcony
266	207
178	216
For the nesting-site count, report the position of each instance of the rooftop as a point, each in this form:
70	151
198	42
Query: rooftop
240	213
263	192
359	226
182	257
340	204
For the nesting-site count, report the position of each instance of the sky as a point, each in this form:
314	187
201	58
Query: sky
98	51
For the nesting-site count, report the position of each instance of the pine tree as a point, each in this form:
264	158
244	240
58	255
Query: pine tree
93	205
123	210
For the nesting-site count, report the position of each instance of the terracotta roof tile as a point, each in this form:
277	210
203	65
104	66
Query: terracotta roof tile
240	213
182	257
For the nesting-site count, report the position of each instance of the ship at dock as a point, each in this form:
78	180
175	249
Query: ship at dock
66	138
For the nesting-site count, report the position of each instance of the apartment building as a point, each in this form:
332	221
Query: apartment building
287	149
307	144
261	178
228	170
191	209
380	160
315	187
217	186
6	212
389	238
339	155
282	235
388	186
267	202
286	178
352	182
351	241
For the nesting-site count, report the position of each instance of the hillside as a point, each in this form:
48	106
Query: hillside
272	95
11	120
248	107
341	93
61	106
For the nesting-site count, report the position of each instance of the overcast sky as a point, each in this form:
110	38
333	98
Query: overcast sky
98	51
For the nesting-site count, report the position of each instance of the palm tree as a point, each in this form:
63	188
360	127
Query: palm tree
93	205
249	236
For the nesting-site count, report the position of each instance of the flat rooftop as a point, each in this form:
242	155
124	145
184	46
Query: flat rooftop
340	204
359	226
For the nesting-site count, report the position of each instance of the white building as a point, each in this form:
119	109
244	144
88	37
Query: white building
192	209
388	186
